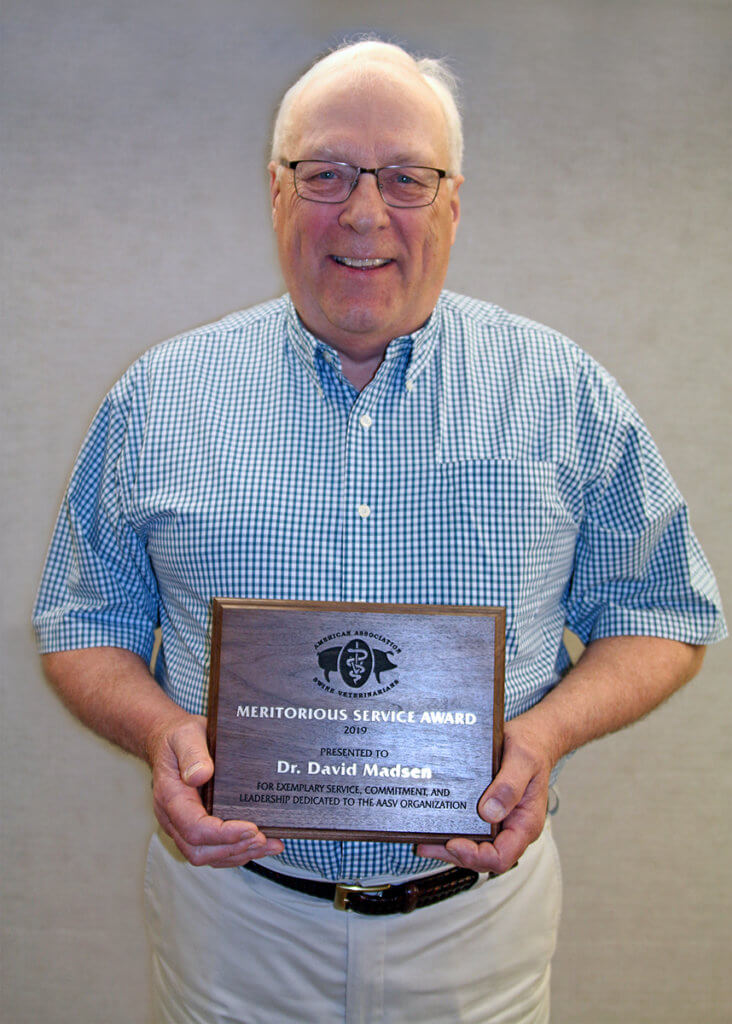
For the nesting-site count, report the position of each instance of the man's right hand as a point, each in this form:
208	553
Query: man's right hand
111	690
180	764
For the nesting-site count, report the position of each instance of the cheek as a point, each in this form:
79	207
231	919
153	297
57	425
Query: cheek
434	247
306	232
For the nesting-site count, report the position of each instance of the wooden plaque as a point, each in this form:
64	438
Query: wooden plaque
355	721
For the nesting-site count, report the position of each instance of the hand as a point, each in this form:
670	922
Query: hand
181	762
517	798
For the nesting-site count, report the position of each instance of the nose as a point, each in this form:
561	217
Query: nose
365	210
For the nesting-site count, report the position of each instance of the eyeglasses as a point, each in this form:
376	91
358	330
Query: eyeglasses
329	181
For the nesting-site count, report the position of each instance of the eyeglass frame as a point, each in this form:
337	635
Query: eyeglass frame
292	164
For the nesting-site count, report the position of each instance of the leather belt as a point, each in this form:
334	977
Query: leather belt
378	899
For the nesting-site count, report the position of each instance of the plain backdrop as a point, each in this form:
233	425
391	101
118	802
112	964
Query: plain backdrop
596	200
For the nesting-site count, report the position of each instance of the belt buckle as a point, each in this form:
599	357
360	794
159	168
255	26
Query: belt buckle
340	899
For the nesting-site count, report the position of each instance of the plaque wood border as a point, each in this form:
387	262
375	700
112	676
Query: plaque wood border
233	626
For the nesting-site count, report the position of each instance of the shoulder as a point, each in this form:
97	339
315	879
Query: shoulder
528	389
214	351
514	349
492	332
225	338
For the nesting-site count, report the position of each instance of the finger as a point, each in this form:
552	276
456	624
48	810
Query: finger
218	847
436	851
525	822
519	830
189	746
270	849
180	809
228	855
522	773
510	844
504	793
464	853
210	831
179	806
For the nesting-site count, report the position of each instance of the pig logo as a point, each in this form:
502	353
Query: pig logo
355	662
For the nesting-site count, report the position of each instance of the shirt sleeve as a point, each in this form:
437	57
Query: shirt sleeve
98	588
639	569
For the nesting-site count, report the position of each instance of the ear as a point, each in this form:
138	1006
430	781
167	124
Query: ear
275	186
456	182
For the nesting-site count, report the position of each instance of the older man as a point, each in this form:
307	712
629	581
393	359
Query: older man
367	437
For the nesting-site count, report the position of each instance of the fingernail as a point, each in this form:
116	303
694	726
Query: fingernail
493	809
191	770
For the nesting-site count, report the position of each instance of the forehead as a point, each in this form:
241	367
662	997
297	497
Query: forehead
382	113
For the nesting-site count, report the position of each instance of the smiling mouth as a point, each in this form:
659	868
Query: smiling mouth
370	264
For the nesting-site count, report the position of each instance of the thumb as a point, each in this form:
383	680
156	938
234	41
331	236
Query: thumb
492	808
191	751
509	786
521	783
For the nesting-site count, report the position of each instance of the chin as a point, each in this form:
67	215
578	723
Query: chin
361	321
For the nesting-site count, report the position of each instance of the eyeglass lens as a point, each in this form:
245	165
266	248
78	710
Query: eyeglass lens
325	182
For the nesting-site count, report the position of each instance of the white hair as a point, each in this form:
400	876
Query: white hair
434	72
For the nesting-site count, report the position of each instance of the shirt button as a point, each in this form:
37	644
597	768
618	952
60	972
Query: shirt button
365	421
409	385
364	511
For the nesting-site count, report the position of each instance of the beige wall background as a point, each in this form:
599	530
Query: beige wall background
135	140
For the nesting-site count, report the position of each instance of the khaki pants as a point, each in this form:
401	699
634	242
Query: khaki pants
232	948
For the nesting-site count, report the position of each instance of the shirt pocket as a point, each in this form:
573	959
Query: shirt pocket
511	536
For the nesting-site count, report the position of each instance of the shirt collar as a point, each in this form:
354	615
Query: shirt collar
419	344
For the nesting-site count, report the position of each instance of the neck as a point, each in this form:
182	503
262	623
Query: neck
360	372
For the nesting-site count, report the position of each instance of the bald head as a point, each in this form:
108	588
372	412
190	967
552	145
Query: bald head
363	65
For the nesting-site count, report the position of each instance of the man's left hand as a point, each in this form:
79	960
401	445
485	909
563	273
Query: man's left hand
517	798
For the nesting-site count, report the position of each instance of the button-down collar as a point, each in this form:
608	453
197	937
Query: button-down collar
310	350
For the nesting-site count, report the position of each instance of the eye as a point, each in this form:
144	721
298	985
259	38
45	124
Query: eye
316	172
406	178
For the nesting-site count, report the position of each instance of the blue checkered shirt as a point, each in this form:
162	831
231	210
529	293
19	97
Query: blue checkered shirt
489	462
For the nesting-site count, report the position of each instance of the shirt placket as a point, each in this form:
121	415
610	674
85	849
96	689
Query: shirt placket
365	531
366	468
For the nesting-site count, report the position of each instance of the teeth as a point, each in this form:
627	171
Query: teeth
360	264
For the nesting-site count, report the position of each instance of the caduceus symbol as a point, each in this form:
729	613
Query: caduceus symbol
356	662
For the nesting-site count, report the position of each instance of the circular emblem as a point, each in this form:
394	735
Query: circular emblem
355	663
